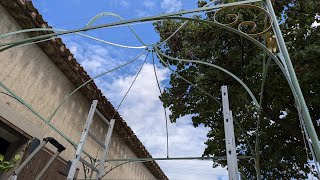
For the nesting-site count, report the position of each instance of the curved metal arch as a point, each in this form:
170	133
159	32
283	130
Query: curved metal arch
85	83
184	24
127	22
219	68
100	15
8	45
260	45
146	20
179	18
171	17
280	65
294	88
95	18
192	84
47	121
153	19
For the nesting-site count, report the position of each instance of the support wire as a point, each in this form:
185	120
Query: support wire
134	80
182	26
73	92
165	111
192	84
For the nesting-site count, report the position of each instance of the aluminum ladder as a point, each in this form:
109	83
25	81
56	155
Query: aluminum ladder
85	133
232	161
39	145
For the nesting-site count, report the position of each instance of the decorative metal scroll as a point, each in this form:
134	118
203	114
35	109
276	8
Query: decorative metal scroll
235	18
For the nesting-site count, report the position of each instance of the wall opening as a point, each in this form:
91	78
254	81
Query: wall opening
4	145
11	143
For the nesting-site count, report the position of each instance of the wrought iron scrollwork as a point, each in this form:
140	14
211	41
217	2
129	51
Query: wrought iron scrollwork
248	27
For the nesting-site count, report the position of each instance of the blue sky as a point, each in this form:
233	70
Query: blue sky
142	108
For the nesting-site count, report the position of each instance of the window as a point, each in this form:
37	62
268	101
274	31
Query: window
11	143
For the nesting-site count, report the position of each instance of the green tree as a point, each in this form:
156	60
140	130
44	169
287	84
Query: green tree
282	147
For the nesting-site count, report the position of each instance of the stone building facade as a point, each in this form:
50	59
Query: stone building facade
42	75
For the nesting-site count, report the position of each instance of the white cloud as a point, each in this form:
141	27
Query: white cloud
149	4
170	6
315	24
148	7
124	3
143	111
73	49
141	13
97	59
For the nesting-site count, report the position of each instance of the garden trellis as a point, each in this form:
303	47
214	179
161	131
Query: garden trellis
273	42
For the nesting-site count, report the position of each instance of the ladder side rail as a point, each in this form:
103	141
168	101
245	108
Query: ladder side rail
229	136
25	162
104	154
83	138
233	144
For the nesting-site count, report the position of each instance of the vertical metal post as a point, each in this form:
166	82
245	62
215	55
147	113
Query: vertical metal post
229	136
83	138
305	112
104	154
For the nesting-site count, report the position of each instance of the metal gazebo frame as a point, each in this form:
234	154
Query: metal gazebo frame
281	58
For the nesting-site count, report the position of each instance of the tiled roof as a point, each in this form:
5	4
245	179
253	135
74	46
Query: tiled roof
28	17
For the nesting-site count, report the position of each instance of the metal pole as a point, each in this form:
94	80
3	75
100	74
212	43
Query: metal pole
305	112
177	158
229	136
25	162
104	154
83	138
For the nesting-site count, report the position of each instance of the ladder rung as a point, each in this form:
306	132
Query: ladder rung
102	117
96	139
89	165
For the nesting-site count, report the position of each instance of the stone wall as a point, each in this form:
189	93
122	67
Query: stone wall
32	75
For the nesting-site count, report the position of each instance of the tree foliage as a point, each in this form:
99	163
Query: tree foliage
282	147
